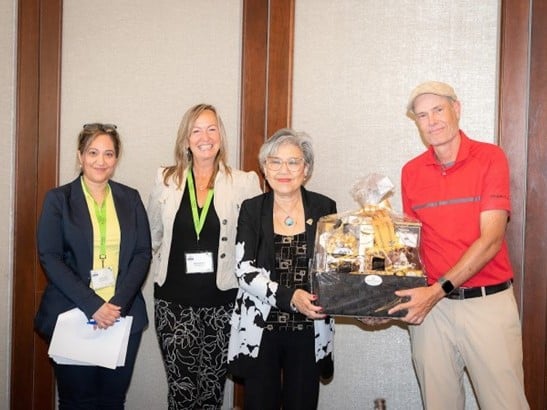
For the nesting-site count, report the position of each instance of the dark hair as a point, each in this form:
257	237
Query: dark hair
91	131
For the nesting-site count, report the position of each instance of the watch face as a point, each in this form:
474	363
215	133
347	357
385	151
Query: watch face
447	286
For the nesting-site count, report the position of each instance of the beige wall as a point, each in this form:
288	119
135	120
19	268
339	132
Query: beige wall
8	15
355	63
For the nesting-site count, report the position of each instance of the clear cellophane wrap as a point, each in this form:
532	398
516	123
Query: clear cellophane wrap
372	239
362	257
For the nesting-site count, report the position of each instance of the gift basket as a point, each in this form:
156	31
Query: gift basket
362	257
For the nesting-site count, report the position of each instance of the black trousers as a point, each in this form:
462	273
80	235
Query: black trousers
94	387
286	373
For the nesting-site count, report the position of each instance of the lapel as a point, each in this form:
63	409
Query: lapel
127	229
174	194
310	221
170	197
81	218
266	226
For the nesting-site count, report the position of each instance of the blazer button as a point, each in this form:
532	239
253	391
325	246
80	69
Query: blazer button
222	256
224	222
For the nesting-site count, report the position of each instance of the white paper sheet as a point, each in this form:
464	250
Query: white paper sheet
75	341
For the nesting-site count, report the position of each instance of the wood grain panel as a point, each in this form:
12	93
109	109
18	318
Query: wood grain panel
522	117
280	65
513	97
253	81
37	131
535	260
22	364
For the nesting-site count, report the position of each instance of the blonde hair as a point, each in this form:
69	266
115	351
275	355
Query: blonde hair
183	155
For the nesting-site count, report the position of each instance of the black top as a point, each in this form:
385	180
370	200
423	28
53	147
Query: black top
291	270
195	289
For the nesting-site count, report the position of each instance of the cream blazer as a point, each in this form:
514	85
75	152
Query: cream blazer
163	204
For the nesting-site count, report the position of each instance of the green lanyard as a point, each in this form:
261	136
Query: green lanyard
199	220
100	214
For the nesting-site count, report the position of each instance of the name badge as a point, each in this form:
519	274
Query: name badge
199	262
102	278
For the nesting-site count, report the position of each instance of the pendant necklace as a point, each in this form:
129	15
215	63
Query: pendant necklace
289	220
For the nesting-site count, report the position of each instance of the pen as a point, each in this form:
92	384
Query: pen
94	322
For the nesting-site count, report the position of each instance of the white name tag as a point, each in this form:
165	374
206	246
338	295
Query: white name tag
102	278
199	262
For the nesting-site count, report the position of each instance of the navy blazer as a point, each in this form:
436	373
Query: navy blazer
65	247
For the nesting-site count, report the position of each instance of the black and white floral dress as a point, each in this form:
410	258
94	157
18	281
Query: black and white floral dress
258	292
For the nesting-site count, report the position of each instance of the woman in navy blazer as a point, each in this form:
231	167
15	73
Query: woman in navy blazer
93	224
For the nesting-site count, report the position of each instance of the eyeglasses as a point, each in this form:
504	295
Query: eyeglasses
293	164
101	126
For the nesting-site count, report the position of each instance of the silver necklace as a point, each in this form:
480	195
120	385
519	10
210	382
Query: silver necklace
289	220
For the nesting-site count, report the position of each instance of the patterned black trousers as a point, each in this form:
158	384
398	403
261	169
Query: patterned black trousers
194	345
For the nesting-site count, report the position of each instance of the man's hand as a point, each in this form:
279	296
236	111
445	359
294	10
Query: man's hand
422	300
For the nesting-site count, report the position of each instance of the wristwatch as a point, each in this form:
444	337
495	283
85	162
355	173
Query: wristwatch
447	286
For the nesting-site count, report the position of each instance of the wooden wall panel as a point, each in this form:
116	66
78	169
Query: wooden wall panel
513	94
280	66
22	364
535	259
266	85
37	131
522	119
253	81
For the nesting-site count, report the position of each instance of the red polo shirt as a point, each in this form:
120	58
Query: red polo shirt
448	203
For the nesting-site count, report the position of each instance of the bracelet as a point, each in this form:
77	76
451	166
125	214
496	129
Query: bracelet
294	308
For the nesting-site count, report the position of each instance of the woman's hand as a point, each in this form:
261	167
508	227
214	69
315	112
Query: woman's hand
106	315
303	302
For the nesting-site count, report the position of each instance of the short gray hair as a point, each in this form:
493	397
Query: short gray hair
287	136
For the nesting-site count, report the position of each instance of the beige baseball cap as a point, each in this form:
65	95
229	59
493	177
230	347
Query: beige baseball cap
430	87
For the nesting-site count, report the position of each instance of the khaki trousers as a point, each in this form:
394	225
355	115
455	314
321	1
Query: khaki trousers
482	335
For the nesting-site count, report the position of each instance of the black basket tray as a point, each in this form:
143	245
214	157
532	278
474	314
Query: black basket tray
358	295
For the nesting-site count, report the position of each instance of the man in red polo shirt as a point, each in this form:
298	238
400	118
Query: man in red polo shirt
467	316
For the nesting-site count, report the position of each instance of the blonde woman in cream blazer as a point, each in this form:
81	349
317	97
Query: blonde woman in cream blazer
230	191
193	211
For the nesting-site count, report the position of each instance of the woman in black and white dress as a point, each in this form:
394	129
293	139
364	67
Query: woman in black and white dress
281	342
